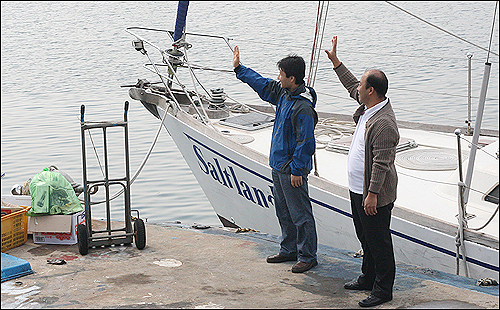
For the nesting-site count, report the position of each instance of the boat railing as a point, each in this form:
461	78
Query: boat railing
171	60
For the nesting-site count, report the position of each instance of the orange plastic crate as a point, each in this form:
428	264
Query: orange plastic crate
14	229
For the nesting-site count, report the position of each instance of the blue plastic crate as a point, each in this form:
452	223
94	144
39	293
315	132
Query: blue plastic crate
13	267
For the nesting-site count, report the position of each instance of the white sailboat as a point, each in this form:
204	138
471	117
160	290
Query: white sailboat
226	145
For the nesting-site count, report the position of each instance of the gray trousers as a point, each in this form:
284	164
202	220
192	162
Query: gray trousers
294	212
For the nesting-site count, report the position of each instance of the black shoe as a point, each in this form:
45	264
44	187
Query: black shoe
300	267
278	258
373	300
354	285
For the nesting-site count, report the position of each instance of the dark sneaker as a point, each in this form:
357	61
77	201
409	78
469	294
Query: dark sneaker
278	258
300	267
354	285
373	300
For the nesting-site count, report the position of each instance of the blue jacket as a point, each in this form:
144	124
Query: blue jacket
293	142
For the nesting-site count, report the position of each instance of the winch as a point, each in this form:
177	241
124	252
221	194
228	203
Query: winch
217	98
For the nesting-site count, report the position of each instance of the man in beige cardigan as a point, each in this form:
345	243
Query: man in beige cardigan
372	178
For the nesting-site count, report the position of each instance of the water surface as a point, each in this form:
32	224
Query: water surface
57	56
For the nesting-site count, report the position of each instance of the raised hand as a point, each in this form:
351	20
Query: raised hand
236	56
332	54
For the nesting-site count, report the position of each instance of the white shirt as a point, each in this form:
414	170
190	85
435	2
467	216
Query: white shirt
356	157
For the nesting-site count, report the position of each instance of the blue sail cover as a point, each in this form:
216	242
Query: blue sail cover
180	23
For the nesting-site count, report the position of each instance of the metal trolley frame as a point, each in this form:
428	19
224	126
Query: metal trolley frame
87	237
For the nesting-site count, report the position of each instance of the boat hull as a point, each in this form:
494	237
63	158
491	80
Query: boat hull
237	182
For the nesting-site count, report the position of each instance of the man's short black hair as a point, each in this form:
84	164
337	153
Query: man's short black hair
293	65
378	81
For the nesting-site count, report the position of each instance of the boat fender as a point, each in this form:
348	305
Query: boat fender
487	282
243	230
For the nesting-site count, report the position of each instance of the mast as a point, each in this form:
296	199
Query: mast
477	129
179	37
180	22
479	117
464	189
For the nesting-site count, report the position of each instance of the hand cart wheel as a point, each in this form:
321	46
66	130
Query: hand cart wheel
139	234
83	239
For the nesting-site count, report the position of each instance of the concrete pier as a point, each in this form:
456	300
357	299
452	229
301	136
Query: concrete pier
185	267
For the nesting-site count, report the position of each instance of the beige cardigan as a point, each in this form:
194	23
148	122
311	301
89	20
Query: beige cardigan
381	139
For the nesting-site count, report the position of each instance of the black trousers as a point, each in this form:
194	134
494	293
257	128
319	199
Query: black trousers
379	267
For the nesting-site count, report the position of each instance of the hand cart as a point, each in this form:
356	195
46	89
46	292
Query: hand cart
87	237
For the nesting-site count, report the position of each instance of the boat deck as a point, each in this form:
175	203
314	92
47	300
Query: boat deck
183	267
422	187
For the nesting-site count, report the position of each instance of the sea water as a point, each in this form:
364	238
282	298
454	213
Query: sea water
57	56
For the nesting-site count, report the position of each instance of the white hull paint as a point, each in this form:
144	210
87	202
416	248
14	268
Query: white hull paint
237	181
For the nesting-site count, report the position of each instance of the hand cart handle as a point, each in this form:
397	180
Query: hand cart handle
126	111
82	112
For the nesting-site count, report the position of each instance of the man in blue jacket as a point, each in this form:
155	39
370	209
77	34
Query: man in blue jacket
290	158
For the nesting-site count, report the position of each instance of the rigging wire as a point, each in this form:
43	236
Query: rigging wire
361	52
395	108
487	222
328	80
421	19
491	36
479	148
141	166
313	68
465	187
315	41
96	154
394	88
320	27
441	182
442	94
312	59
